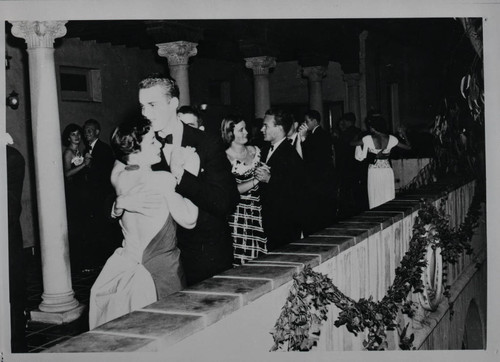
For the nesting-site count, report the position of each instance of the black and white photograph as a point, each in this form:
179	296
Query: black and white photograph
227	181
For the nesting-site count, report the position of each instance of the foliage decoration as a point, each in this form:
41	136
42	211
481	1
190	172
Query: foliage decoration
298	326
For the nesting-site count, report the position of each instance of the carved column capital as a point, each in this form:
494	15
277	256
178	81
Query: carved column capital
352	79
39	34
260	65
315	73
177	52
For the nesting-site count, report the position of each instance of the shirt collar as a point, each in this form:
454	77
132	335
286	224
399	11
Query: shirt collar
177	132
276	145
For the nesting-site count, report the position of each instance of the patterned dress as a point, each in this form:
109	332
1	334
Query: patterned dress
249	240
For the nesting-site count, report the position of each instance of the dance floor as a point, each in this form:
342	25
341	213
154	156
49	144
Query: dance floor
40	336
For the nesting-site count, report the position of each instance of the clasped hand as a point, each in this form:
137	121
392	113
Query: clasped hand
145	202
263	173
302	131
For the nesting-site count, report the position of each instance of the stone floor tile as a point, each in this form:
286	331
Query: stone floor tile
170	328
339	230
212	307
302	247
282	259
277	274
247	289
99	342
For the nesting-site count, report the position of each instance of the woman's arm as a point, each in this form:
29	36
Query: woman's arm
247	185
401	136
358	142
184	212
68	171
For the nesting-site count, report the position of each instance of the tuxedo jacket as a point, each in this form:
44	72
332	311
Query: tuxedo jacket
318	160
99	172
207	249
283	196
318	163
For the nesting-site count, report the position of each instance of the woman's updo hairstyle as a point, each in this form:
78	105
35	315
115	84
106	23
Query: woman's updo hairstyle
127	137
378	123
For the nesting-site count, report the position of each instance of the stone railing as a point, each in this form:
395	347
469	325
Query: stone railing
234	312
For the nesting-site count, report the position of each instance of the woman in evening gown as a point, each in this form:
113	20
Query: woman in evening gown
75	167
249	240
381	187
147	266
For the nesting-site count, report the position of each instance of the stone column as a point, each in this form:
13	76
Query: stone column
352	95
315	75
260	67
58	303
363	95
177	54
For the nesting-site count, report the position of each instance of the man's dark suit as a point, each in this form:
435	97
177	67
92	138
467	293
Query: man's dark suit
15	178
207	249
318	162
283	196
102	237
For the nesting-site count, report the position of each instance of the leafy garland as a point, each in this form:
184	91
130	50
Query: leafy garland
306	307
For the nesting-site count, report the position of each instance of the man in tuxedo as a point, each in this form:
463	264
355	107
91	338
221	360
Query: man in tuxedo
318	163
207	249
102	237
352	174
282	181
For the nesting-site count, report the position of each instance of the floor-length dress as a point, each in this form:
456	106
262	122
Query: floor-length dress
136	275
77	196
380	174
249	239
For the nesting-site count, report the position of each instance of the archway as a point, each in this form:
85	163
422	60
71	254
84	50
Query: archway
474	336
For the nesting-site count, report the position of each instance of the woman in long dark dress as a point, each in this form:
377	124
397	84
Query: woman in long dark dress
249	239
74	167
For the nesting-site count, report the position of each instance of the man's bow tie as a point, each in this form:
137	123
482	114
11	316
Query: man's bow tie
164	140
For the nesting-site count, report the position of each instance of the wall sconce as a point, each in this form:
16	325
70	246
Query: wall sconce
203	106
13	100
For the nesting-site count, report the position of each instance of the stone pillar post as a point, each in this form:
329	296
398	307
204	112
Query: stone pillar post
315	75
177	54
260	67
352	95
58	303
363	92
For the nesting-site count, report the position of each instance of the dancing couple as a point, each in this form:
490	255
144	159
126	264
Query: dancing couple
180	191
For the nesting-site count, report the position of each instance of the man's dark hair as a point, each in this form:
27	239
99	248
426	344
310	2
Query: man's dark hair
282	118
92	122
189	110
313	114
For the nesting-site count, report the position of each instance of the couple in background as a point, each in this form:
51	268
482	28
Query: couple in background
198	182
87	171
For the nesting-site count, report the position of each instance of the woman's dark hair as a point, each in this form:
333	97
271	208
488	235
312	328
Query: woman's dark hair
378	123
70	128
127	137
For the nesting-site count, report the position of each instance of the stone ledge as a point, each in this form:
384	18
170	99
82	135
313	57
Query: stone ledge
168	321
